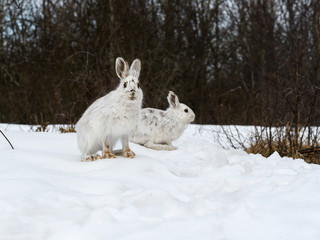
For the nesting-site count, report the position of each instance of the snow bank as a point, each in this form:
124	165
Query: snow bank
199	191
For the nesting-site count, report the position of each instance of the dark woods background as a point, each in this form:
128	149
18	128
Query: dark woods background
233	62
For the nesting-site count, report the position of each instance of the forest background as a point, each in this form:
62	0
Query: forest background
233	62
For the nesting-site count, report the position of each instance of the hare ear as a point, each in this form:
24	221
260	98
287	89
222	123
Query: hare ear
135	68
173	99
122	68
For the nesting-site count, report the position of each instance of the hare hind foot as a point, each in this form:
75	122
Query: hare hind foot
90	158
126	154
160	147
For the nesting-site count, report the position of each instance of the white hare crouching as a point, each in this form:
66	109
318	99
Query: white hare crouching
157	128
112	117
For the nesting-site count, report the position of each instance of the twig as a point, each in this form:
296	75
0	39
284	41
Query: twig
310	150
7	139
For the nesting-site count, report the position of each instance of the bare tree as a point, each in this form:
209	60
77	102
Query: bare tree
243	62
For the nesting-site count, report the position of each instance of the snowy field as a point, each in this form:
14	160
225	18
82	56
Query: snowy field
200	192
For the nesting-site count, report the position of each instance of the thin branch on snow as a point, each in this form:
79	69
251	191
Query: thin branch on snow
7	139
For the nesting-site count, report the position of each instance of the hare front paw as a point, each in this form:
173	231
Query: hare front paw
90	158
128	153
108	154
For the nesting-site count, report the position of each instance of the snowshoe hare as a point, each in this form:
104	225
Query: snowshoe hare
157	128
112	117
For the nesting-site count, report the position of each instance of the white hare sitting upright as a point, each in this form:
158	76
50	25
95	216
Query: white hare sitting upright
157	128
113	116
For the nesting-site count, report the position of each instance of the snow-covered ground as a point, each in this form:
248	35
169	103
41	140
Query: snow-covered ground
200	191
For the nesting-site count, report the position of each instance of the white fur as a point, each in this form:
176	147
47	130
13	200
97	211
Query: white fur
157	128
113	116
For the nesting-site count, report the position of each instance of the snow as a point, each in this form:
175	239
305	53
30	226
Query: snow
200	191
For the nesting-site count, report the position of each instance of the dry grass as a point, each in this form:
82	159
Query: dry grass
287	145
67	129
43	127
264	148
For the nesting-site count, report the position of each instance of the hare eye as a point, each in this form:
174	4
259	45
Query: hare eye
186	110
125	85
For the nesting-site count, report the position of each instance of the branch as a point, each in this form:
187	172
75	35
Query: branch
7	139
310	150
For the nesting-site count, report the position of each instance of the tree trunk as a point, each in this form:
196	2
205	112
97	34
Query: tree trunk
316	41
